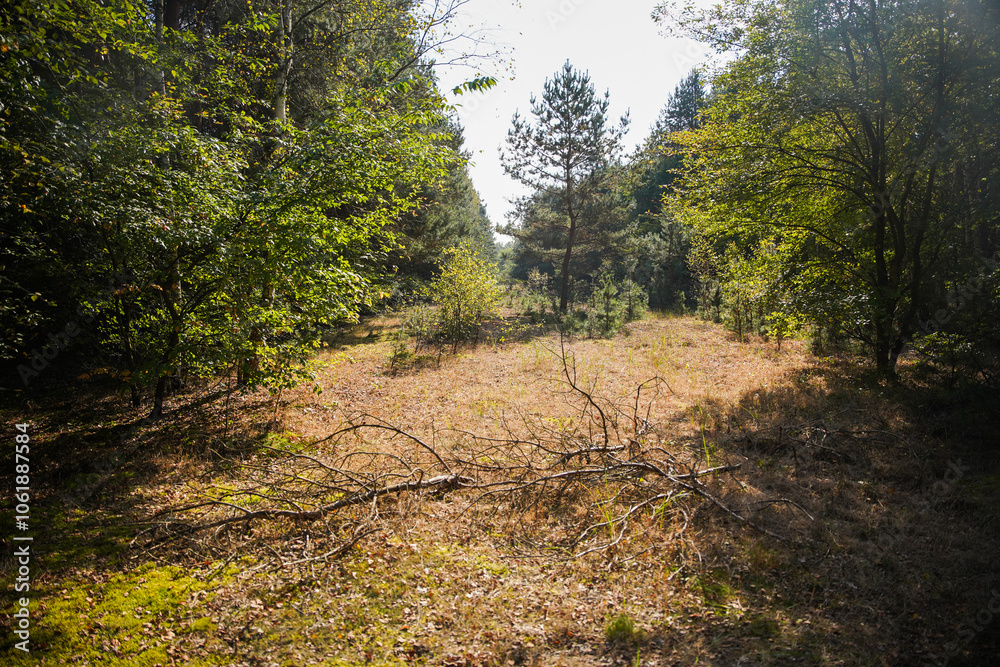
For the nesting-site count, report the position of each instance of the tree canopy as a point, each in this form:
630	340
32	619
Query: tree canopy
853	147
213	183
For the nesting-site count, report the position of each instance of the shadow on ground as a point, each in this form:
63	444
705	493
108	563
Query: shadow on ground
892	529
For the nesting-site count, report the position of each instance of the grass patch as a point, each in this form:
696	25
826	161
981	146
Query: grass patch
442	582
714	588
622	631
761	626
126	619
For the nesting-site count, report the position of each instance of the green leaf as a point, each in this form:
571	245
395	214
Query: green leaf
475	85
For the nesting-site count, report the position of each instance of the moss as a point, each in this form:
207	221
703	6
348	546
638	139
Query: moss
496	569
761	626
286	441
982	493
76	536
761	558
129	619
203	624
714	588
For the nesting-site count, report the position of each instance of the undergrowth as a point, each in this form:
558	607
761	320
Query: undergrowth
885	496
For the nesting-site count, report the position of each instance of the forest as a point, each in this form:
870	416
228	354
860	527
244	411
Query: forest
279	391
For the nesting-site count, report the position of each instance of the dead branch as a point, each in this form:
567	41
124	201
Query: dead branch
442	483
379	424
579	488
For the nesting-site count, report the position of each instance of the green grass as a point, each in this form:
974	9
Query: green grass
714	588
128	619
621	630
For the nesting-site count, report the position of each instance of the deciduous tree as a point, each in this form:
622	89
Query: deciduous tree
845	135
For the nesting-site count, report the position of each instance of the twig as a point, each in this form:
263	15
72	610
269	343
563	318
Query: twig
387	427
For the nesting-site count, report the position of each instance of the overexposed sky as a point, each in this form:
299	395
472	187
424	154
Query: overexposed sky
617	41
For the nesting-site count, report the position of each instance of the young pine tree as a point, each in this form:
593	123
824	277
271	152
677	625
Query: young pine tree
565	152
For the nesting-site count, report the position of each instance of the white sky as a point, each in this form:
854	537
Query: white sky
617	41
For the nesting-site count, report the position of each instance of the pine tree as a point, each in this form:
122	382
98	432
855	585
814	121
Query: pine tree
565	152
683	106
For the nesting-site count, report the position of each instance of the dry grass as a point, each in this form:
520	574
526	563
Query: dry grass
895	556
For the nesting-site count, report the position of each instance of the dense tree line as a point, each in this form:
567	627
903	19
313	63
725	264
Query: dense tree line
593	213
838	174
846	174
191	187
194	187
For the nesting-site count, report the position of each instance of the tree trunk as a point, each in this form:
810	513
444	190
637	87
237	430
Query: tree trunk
564	290
284	61
172	298
161	389
161	382
885	360
123	316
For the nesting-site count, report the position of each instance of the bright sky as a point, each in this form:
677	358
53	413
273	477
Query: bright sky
617	41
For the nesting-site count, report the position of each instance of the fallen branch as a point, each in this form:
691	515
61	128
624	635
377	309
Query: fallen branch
442	483
573	490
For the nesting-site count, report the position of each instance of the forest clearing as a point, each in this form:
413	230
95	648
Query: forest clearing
883	498
465	333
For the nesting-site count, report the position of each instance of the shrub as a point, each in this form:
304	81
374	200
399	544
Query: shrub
607	310
538	300
419	327
467	291
636	300
781	325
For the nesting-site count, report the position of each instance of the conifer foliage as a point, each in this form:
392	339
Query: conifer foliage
565	153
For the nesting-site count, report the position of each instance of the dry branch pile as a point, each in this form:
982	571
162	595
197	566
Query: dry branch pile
598	481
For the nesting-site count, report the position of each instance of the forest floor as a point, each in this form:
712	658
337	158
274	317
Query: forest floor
865	526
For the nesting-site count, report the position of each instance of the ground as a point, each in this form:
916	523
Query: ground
875	512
